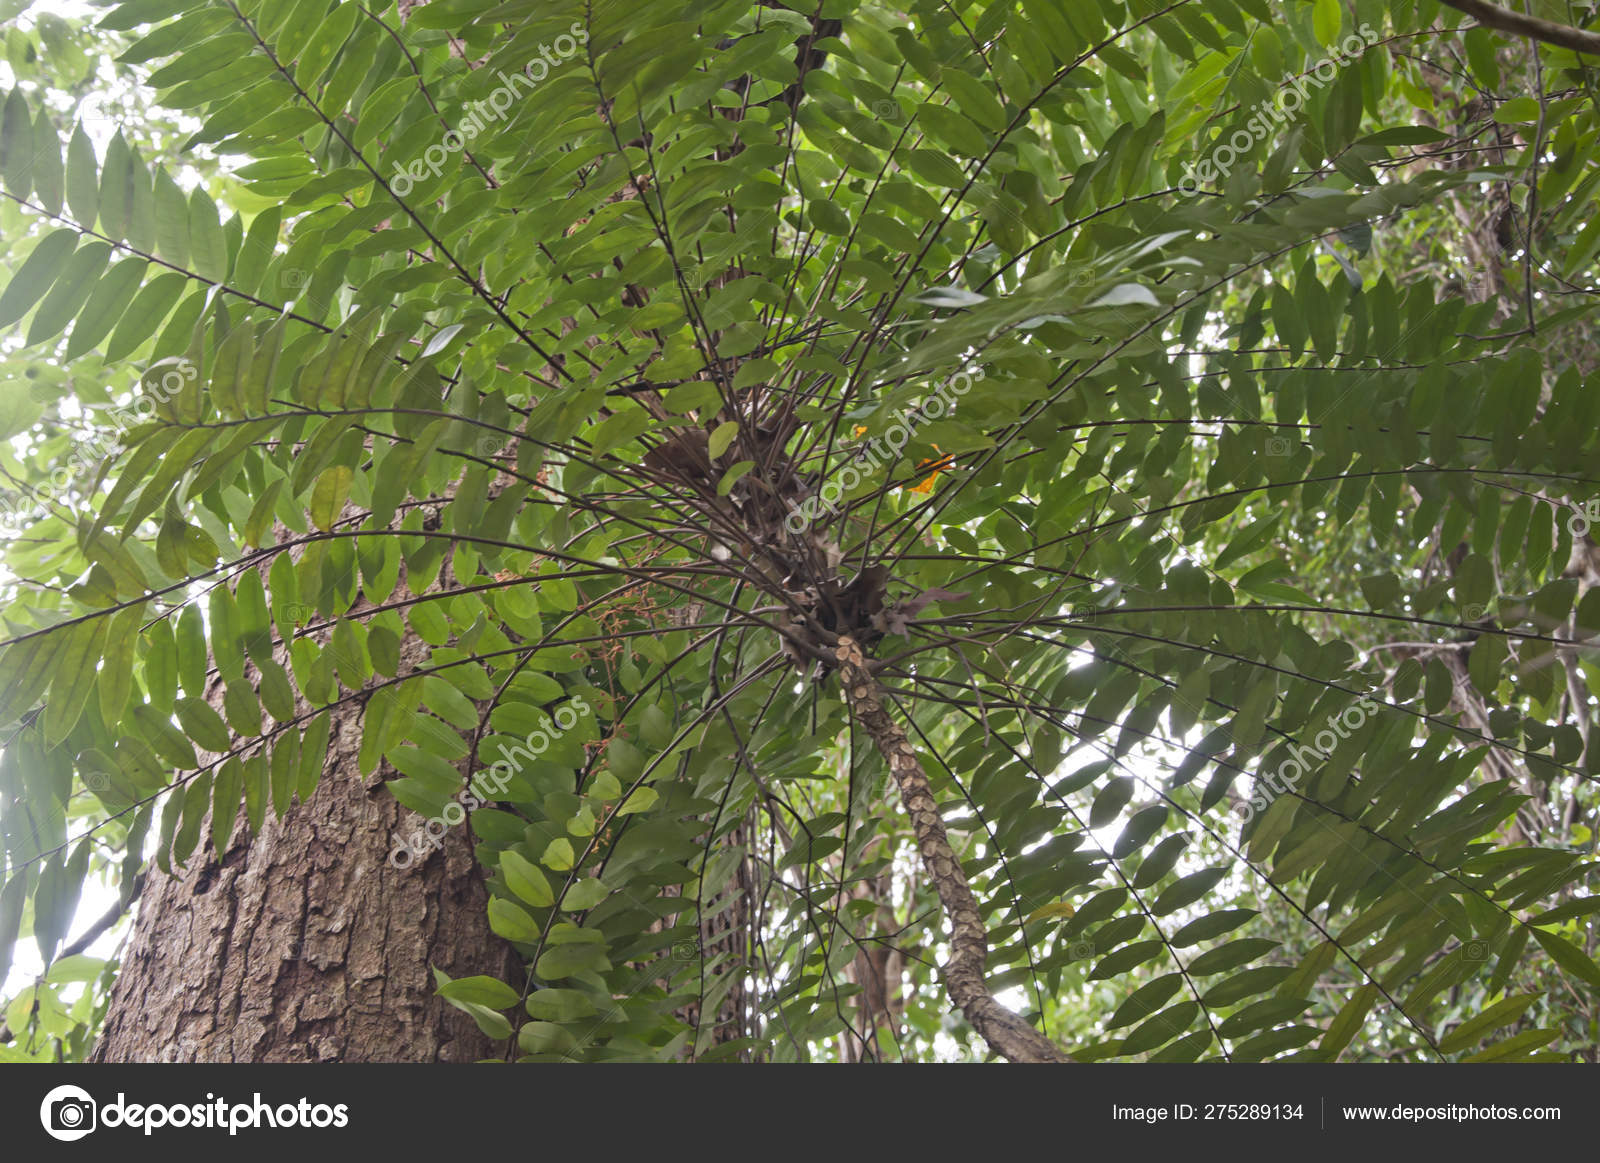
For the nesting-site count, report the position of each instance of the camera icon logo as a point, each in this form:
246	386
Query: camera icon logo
1475	951
1279	446
68	1113
685	950
1080	950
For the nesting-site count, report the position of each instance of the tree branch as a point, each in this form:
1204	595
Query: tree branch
1005	1032
1516	24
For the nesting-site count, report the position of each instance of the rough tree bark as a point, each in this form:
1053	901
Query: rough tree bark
304	944
728	932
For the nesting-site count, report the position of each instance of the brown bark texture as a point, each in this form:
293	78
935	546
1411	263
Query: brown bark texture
304	944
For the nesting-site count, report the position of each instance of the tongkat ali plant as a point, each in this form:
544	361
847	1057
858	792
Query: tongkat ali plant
816	530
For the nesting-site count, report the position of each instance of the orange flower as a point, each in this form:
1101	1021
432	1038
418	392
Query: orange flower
939	465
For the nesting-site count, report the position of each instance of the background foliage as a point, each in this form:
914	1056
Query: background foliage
529	429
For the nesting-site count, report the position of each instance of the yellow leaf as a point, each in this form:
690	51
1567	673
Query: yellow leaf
1059	909
328	495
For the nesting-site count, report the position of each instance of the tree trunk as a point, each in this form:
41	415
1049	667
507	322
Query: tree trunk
306	945
728	938
878	1014
1005	1032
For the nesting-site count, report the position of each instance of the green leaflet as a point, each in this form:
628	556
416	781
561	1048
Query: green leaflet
36	275
73	675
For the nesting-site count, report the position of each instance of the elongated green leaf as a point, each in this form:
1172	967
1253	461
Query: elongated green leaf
225	793
16	145
49	175
206	243
78	279
36	275
106	306
73	672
